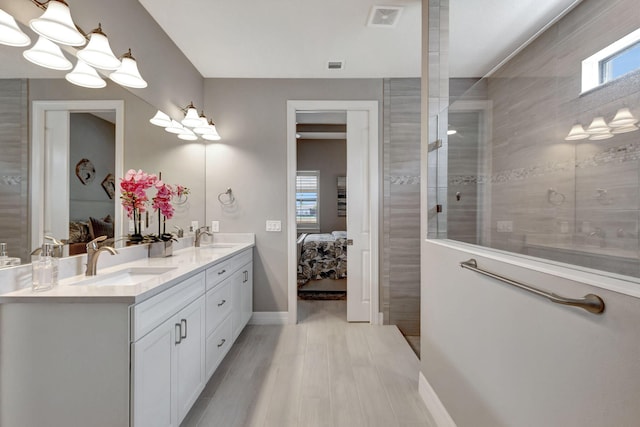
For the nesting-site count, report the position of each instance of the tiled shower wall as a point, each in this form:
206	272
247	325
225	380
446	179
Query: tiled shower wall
556	193
401	227
14	172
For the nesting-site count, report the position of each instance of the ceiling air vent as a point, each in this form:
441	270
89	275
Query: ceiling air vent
384	16
335	65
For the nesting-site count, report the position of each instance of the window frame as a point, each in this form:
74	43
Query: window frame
592	66
309	226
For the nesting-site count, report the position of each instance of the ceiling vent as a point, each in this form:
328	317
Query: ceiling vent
384	16
335	65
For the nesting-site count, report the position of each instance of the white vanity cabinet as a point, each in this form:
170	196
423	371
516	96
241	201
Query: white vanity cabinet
226	288
168	363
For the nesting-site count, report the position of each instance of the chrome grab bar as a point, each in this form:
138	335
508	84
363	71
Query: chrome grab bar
592	303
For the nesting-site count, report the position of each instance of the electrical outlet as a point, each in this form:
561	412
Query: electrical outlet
194	226
505	226
274	225
215	226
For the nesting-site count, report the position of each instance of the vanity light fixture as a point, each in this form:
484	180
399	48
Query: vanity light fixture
599	136
187	135
86	76
10	33
175	127
161	119
577	132
98	52
598	126
57	25
213	134
191	117
623	118
46	53
127	74
624	129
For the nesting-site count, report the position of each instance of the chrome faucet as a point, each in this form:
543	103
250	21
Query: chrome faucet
199	232
57	251
92	254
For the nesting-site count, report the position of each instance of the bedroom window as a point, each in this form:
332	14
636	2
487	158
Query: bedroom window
612	62
308	200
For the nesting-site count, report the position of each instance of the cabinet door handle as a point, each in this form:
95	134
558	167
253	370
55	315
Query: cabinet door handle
221	303
246	276
222	342
183	322
178	331
221	272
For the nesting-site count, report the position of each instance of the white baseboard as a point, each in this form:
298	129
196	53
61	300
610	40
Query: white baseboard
269	318
433	403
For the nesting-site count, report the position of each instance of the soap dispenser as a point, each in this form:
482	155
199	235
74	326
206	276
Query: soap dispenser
5	259
45	269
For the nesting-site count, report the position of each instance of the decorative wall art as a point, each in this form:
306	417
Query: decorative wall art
85	171
109	185
342	196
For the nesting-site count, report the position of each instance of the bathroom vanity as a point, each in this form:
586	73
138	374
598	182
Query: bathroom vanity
132	346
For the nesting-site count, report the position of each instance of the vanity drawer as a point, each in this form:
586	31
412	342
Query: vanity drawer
218	305
219	272
241	259
218	344
152	312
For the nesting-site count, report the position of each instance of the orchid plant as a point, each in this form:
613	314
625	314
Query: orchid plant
134	188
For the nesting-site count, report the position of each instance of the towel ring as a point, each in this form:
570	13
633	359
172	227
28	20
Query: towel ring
229	199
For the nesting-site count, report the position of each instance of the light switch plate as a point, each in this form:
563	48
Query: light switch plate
273	225
194	226
505	226
215	226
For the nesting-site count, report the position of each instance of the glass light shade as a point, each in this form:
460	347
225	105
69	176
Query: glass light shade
46	53
187	135
576	132
10	33
624	129
86	76
598	125
98	52
452	132
599	136
128	74
212	135
57	25
161	119
175	127
191	119
623	118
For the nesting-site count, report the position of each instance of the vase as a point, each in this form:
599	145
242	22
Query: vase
160	249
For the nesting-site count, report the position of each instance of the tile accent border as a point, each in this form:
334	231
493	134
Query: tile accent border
434	404
269	318
404	179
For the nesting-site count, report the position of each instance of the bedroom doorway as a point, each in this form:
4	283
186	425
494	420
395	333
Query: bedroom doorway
322	232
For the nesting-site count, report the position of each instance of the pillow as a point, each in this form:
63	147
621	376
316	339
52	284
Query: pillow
108	219
98	227
79	232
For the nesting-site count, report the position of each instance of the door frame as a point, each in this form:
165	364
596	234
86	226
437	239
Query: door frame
374	187
39	171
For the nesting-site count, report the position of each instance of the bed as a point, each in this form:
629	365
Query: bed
322	256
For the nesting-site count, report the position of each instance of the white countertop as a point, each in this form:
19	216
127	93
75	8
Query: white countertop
185	262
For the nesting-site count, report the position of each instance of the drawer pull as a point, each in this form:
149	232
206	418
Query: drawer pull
222	342
183	322
221	272
178	331
221	303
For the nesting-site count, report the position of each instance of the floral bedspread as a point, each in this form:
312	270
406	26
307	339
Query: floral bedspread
323	256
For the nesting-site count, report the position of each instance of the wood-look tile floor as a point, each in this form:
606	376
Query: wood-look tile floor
321	372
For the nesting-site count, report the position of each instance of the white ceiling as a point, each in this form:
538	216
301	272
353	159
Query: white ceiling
296	38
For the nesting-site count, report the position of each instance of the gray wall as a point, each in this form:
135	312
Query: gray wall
330	158
14	167
90	138
251	158
400	279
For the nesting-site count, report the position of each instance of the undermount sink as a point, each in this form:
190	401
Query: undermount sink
127	277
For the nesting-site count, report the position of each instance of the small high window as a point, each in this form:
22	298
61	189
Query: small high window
612	62
308	200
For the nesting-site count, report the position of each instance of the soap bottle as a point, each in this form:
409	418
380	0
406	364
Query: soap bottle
5	259
45	269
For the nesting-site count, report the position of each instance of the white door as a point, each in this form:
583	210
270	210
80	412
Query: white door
358	218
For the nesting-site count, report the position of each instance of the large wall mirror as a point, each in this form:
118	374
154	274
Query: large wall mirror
39	166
